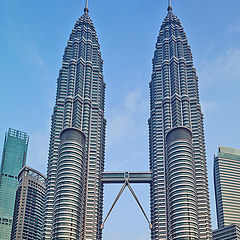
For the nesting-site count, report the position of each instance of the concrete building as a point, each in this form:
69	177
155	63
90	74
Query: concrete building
13	160
29	205
179	191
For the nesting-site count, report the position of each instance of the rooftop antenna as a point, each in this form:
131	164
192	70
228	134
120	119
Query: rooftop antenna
169	6
86	7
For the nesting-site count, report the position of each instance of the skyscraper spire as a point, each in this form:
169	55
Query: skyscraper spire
78	111
179	190
169	6
86	7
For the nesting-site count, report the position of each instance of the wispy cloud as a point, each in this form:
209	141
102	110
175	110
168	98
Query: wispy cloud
124	119
44	76
234	27
209	106
127	132
38	147
145	237
226	67
34	56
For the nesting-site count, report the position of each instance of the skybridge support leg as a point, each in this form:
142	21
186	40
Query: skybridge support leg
118	196
127	184
139	204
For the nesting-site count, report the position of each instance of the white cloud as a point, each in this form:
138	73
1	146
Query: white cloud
145	237
133	99
209	106
34	57
44	77
224	68
234	27
123	119
38	148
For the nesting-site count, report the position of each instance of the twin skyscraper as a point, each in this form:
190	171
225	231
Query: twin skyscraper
179	198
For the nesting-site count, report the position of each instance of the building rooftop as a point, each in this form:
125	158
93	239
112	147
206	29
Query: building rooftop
229	150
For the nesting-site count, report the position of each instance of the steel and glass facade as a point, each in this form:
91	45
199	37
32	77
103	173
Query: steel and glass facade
70	187
178	173
181	185
79	104
227	186
231	232
13	160
177	212
28	217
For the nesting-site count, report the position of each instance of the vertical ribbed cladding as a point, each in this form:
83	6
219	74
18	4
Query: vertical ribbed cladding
80	104
16	213
218	193
69	193
227	186
174	100
181	186
29	205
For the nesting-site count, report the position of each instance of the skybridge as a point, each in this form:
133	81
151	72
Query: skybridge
126	178
131	177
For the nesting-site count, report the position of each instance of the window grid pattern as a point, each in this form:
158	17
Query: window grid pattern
80	103
70	187
227	183
13	160
174	102
28	217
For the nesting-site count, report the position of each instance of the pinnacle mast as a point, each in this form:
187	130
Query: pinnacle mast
169	6
86	7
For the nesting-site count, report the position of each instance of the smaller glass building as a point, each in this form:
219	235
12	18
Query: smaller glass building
227	186
28	217
13	160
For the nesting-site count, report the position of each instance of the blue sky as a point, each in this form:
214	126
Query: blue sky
33	37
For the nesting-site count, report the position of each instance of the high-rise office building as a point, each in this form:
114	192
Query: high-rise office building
179	190
28	216
13	160
227	186
78	116
230	232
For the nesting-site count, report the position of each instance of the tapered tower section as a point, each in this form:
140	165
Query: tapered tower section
79	105
179	190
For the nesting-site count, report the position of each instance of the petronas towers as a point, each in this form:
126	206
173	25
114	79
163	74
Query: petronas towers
179	190
74	190
179	197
